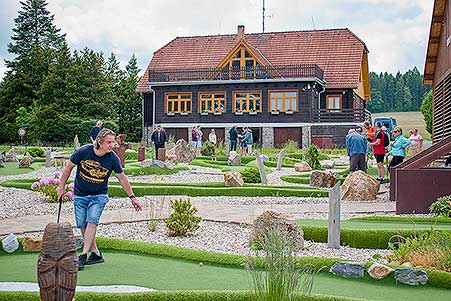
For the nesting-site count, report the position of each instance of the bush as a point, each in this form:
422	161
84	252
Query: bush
208	149
131	155
312	157
36	151
182	221
251	175
291	146
441	207
48	186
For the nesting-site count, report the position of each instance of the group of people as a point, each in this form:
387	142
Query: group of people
245	139
360	142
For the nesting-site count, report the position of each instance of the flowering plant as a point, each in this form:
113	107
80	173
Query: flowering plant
48	187
172	157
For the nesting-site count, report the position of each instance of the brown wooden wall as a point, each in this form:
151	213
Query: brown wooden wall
443	64
178	133
283	135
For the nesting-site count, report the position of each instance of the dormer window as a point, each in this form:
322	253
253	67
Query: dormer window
241	65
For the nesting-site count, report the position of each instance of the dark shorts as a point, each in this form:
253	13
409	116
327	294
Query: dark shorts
396	160
379	158
357	162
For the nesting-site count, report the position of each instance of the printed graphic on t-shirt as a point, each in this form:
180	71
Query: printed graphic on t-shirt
91	171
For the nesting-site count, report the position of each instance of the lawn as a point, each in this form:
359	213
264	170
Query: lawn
12	168
408	121
169	274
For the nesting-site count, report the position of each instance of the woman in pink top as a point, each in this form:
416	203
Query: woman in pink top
416	142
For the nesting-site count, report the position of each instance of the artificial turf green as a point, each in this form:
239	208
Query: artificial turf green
12	168
361	224
163	273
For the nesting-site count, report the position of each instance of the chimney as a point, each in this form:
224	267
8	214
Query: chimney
240	32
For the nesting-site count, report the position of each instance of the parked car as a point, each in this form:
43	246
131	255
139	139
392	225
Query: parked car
389	123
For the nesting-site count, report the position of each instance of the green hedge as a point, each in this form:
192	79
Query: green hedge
196	189
151	170
303	179
165	296
406	219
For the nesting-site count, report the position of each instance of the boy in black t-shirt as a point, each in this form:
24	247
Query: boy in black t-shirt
95	164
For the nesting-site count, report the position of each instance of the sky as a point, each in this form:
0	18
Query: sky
394	31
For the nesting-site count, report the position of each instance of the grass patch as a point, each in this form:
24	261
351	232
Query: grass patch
12	168
135	169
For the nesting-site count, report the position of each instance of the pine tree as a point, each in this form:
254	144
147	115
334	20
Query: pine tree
33	27
426	110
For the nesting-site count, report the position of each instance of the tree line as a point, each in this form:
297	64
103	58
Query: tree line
56	93
397	93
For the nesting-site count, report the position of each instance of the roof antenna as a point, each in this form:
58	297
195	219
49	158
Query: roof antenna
313	22
263	13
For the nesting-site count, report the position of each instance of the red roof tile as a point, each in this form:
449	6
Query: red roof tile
338	52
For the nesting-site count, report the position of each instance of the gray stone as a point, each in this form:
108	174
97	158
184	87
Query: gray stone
25	162
10	243
348	269
183	150
2	159
302	167
79	241
327	164
76	142
158	163
147	163
270	220
169	164
322	179
11	156
234	159
411	276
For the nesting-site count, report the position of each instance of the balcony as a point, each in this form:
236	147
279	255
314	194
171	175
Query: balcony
344	115
259	72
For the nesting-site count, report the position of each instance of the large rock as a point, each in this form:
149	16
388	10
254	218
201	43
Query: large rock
411	277
270	220
31	244
233	179
302	167
2	159
147	163
322	179
183	150
327	164
25	162
11	156
10	243
341	161
234	159
359	186
379	271
348	269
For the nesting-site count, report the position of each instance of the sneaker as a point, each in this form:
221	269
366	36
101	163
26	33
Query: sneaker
82	261
382	181
94	258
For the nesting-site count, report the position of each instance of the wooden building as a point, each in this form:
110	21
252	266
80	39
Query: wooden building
305	86
419	181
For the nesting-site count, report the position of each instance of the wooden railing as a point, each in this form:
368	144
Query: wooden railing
344	115
259	72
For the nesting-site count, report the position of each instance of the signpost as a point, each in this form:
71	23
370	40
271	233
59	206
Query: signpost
21	133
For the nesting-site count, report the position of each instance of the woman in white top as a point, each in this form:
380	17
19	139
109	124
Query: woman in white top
416	142
212	137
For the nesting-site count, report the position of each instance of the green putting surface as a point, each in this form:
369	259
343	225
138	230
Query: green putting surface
164	273
380	225
12	168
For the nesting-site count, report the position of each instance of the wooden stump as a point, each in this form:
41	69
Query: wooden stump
58	263
161	154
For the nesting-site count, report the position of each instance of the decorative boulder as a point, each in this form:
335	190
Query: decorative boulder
379	271
25	162
158	163
11	156
234	159
327	164
10	243
359	186
183	151
147	163
270	220
322	179
348	269
57	263
341	161
2	159
411	277
233	179
31	244
168	164
302	167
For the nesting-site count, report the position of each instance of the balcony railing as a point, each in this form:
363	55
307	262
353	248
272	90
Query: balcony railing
259	72
344	115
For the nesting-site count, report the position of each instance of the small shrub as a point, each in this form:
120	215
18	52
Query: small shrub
131	155
291	146
182	221
48	186
251	175
312	156
208	149
36	151
441	207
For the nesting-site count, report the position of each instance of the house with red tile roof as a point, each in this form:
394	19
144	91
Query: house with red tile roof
306	86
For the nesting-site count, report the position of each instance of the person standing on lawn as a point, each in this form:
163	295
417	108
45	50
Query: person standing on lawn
95	164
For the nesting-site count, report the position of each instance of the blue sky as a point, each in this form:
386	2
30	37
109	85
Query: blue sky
395	31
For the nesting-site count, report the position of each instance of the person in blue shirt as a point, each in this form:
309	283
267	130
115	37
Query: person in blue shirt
356	146
95	163
95	131
399	147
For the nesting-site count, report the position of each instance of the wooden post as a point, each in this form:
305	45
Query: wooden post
333	238
280	159
261	169
48	155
